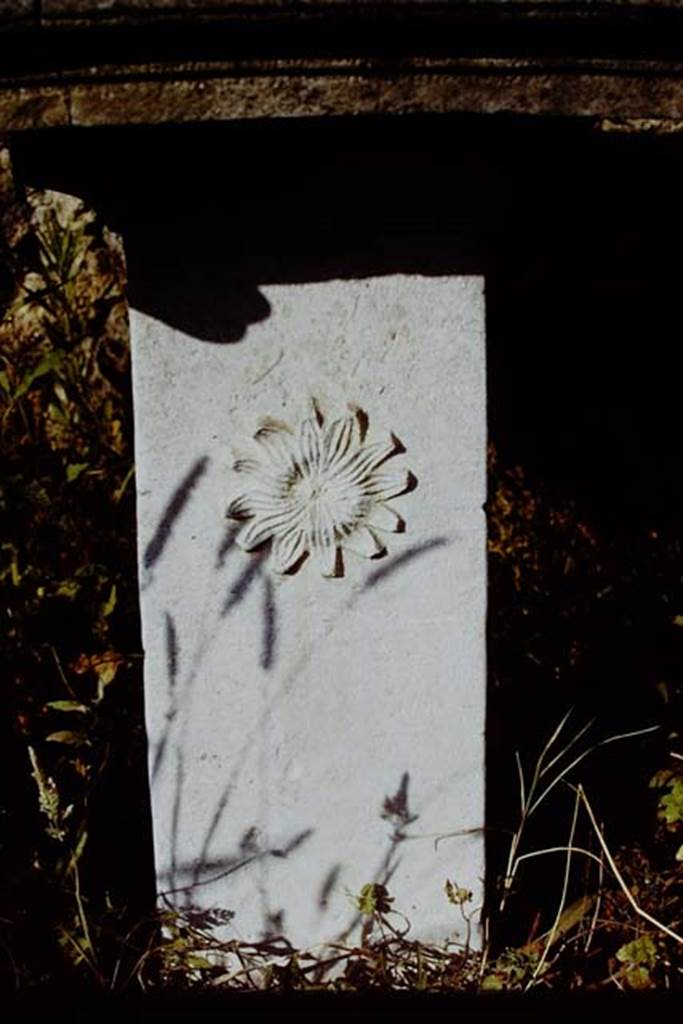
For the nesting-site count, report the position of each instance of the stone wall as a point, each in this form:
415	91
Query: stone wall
94	62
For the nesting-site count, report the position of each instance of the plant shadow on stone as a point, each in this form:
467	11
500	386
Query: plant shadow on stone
184	671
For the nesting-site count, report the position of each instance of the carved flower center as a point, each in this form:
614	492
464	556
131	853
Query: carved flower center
310	489
325	496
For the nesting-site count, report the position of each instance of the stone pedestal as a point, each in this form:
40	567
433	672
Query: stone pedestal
313	602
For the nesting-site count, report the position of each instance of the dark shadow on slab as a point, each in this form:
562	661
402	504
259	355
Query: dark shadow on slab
172	663
398	561
396	811
188	877
179	779
396	808
216	819
269	624
226	545
172	652
239	589
208	214
174	508
172	282
328	886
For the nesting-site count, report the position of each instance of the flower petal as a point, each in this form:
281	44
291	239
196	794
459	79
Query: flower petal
363	542
311	444
326	559
241	508
366	459
341	435
323	540
388	485
254	533
287	549
384	517
258	503
276	441
265	524
245	464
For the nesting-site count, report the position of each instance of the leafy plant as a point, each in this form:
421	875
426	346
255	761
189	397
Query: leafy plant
638	957
68	584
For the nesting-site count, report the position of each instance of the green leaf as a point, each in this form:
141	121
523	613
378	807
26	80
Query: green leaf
456	894
374	899
639	952
67	705
4	382
51	361
80	846
74	470
106	673
119	492
56	413
661	778
637	977
492	983
109	605
671	804
13	565
74	739
69	588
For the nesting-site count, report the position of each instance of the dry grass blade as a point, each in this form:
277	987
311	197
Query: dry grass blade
563	899
584	754
598	904
557	849
573	741
530	801
619	877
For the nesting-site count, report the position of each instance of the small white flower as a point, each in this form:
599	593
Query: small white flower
318	492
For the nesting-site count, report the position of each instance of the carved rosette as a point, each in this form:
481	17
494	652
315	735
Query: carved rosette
318	491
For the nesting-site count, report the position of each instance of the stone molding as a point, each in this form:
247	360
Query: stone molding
109	62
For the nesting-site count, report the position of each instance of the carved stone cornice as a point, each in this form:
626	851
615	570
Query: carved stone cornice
100	62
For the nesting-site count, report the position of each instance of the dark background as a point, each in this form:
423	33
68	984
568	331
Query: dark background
577	233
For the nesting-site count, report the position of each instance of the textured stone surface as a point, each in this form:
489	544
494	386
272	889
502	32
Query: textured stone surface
301	95
195	61
26	108
136	6
474	56
298	725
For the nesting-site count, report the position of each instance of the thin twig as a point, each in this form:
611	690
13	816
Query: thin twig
557	849
62	676
617	874
81	915
522	787
563	898
598	904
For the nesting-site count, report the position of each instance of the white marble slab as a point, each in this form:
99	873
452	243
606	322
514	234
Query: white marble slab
285	710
